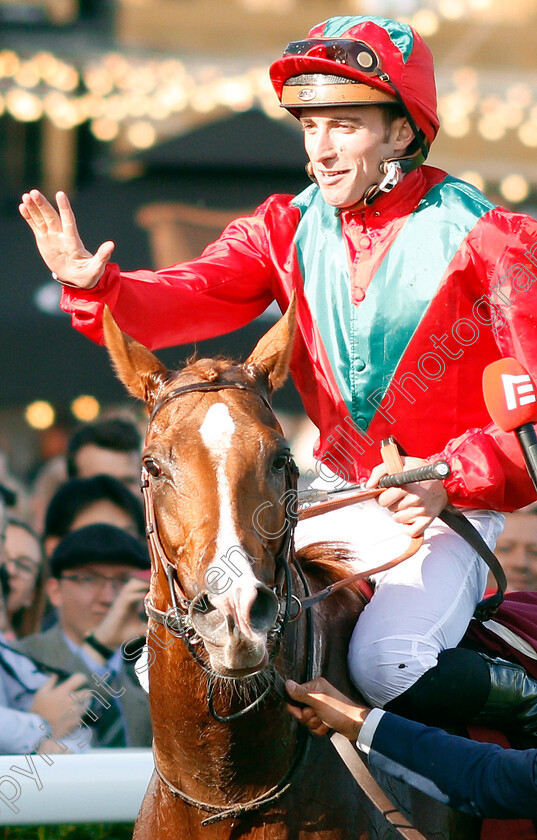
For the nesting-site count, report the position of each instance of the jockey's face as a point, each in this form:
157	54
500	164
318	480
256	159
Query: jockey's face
346	146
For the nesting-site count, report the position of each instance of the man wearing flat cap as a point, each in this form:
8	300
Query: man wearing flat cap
99	576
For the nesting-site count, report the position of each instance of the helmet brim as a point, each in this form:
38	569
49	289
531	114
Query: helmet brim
297	65
312	95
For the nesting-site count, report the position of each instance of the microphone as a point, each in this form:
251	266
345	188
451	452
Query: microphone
511	399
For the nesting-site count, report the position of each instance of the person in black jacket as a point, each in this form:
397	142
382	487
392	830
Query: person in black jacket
479	778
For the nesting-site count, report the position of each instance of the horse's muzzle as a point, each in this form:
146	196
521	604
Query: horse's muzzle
216	626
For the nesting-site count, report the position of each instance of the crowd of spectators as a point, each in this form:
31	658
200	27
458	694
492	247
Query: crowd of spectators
74	570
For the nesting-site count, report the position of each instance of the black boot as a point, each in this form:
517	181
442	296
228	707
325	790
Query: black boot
512	701
469	686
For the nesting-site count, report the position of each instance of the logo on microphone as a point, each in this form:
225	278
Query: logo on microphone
518	390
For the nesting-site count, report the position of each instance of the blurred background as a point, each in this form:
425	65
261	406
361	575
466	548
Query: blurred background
158	119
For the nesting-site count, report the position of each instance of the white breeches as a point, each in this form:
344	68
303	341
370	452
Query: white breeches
420	607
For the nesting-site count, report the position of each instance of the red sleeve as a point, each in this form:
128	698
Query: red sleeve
488	469
228	286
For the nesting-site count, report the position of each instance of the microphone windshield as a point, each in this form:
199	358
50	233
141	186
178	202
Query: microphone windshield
510	394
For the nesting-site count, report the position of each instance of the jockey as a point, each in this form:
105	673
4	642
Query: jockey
408	283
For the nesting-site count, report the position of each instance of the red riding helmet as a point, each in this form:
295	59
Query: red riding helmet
383	61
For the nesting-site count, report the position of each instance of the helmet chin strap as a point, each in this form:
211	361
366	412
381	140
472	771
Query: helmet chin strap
393	175
393	169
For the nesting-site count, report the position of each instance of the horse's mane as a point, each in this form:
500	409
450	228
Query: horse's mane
208	370
328	562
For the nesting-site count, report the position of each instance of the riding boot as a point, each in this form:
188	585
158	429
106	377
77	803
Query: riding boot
469	686
512	699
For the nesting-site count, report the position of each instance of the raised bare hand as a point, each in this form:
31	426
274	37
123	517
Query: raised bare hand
123	618
59	243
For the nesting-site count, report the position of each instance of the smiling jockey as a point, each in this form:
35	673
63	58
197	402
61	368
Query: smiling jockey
408	282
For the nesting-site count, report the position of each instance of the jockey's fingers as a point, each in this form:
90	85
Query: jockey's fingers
103	253
416	527
376	474
67	217
31	212
409	501
392	497
408	516
48	214
27	216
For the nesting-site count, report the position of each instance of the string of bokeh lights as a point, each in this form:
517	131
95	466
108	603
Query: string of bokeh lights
115	92
141	100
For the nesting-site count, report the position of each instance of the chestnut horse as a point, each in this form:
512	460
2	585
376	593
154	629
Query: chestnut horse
230	762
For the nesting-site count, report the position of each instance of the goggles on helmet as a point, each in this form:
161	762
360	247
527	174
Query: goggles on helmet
355	54
359	56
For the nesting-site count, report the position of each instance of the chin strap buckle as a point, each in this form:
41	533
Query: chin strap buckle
393	175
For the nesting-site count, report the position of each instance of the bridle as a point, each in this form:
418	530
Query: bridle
178	621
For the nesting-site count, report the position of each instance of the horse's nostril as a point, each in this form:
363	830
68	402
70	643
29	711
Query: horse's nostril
210	622
201	604
264	610
206	619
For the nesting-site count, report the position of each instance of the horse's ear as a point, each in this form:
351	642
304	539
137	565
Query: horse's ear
142	374
272	353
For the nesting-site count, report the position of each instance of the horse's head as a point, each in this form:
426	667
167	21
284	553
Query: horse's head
219	471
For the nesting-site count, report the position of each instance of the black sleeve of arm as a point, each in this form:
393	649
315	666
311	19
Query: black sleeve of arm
479	778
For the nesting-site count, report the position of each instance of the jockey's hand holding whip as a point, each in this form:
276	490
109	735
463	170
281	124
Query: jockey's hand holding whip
414	505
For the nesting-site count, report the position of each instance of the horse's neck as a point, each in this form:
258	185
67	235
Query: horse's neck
202	756
240	758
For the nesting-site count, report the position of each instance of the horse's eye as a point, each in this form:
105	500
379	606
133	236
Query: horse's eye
152	467
279	463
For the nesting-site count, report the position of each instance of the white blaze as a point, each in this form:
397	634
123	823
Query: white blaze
229	572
